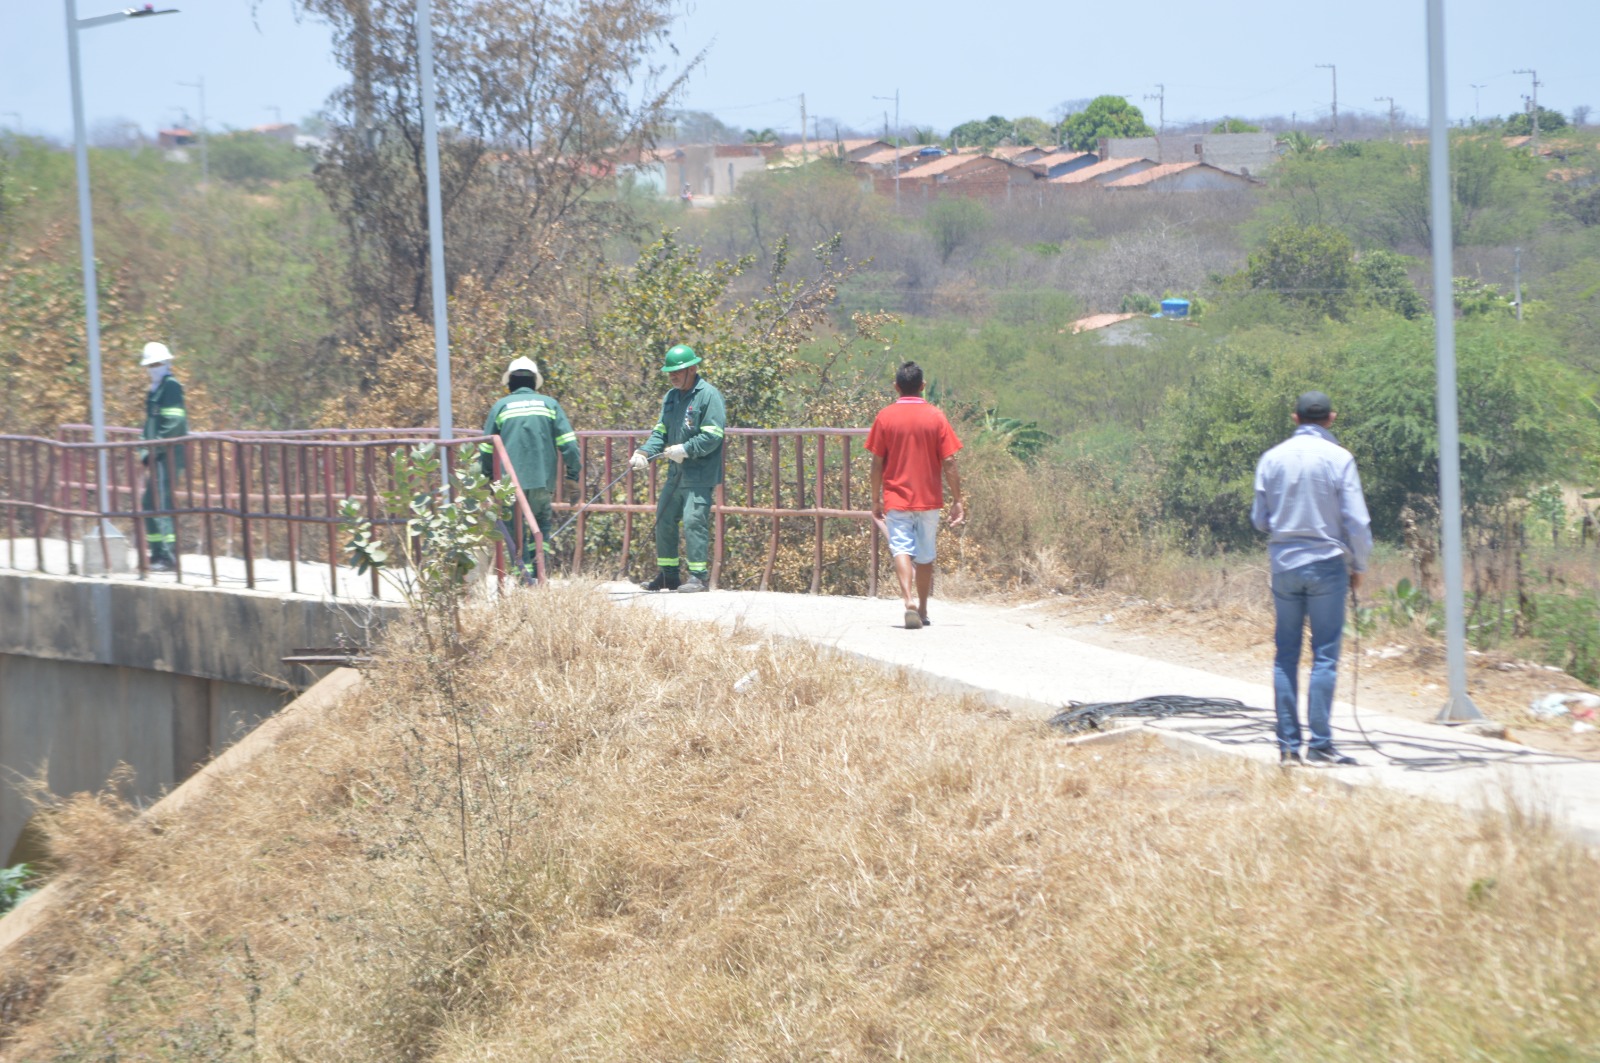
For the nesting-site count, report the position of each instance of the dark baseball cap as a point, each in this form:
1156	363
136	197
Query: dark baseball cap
1313	406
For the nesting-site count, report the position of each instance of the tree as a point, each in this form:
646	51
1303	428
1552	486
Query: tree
1520	426
955	222
1031	130
534	99
1580	114
1386	282
1520	124
760	136
1235	125
1106	116
698	127
1312	266
252	159
985	133
1299	142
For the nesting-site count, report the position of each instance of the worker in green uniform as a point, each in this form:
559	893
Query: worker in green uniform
534	428
689	434
165	417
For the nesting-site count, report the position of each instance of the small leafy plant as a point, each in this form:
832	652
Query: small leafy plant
14	887
443	535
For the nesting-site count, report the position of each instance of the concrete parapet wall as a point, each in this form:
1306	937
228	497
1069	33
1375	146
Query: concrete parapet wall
237	636
160	677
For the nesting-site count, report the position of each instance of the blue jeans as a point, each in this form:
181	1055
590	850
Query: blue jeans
1316	591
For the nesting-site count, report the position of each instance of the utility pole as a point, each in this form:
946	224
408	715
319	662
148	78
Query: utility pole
1160	96
1517	272
1475	89
1334	122
803	158
205	163
1390	99
1533	105
896	145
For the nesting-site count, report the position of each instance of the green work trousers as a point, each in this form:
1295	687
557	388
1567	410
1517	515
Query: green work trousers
539	501
159	532
690	505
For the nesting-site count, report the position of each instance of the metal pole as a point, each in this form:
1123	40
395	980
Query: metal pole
1518	271
430	139
1333	125
1459	706
205	161
91	296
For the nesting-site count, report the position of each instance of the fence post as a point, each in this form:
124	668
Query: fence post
627	516
817	502
718	535
242	467
777	500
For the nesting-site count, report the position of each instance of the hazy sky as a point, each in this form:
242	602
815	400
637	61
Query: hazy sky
950	59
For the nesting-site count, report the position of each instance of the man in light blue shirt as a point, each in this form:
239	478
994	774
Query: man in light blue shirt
1309	502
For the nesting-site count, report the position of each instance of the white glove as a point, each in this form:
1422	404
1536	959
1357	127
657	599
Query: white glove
639	460
676	453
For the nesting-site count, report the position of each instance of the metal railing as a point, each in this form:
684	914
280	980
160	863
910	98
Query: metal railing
253	496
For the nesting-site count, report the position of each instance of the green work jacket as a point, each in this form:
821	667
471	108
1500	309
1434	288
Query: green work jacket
165	417
697	419
534	428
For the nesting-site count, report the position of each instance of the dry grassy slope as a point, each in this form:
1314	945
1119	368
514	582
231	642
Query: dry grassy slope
833	864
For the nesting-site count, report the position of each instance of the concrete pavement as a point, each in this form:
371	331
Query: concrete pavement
991	650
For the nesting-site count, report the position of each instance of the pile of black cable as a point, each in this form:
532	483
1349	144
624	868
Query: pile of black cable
1245	724
1078	717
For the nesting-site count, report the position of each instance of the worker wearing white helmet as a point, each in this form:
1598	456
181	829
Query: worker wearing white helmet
534	430
165	417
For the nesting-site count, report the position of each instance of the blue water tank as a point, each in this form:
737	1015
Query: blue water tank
1174	308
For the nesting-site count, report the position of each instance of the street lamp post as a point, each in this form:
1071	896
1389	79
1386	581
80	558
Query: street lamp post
1458	705
430	142
91	301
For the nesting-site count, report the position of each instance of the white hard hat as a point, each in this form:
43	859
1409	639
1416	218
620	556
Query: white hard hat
523	365
155	354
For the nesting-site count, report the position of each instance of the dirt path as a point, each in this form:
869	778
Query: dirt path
1404	676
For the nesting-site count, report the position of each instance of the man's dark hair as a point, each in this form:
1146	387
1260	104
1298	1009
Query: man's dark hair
908	379
522	380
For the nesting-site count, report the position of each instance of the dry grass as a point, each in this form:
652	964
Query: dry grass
834	864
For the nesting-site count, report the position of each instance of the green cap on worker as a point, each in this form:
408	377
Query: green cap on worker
680	357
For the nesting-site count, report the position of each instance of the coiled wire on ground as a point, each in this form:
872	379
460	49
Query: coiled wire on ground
1245	724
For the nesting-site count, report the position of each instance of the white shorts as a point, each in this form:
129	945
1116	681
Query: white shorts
914	532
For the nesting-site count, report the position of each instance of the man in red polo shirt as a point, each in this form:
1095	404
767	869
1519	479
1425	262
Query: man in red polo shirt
912	443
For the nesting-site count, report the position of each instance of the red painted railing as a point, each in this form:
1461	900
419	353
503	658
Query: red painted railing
256	495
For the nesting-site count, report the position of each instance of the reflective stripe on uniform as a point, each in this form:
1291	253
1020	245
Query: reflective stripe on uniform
536	411
563	440
667	562
711	430
171	411
698	566
485	448
659	428
158	538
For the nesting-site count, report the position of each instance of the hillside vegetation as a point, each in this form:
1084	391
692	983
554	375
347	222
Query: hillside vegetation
602	851
293	288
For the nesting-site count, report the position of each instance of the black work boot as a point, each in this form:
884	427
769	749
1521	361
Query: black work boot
162	561
666	580
693	585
